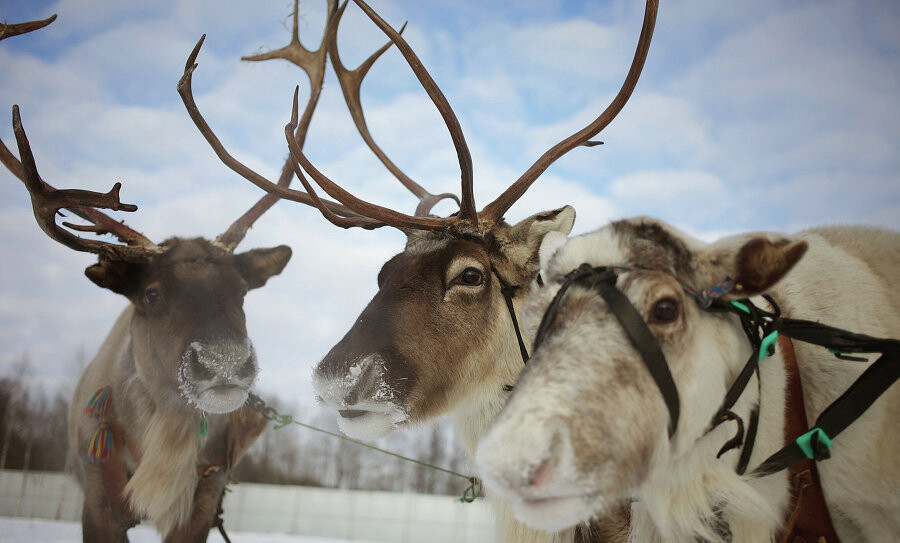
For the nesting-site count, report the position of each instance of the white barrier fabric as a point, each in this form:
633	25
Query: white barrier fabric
323	512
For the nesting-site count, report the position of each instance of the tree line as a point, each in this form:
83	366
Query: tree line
33	437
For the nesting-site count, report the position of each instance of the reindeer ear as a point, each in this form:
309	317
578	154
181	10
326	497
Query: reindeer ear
761	262
522	244
258	265
526	236
754	262
116	275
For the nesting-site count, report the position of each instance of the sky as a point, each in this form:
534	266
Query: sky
749	115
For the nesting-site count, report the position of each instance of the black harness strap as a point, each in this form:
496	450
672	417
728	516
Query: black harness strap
761	328
877	378
603	279
643	340
508	292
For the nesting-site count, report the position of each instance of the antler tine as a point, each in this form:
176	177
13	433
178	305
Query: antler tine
10	30
376	214
351	83
467	210
236	233
498	207
343	222
47	201
313	64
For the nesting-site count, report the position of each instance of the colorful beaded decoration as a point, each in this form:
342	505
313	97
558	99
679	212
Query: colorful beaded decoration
100	445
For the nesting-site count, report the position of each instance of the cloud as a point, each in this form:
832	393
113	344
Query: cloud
761	116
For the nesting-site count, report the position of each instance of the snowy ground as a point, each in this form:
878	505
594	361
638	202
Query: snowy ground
50	531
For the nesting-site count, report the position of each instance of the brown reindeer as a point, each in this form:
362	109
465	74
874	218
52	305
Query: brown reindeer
155	425
440	336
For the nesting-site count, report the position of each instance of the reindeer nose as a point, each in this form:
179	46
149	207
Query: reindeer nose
541	475
363	379
534	480
221	360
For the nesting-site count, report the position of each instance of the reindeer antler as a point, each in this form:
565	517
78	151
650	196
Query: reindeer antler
313	64
351	83
495	210
47	201
467	219
378	215
10	30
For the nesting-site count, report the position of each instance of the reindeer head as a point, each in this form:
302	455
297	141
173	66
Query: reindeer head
188	331
587	423
438	331
419	348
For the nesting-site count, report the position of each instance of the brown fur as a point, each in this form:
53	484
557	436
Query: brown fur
197	294
440	346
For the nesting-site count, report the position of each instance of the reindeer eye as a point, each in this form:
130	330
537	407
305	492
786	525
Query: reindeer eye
470	277
665	310
152	297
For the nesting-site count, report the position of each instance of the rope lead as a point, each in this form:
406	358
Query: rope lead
254	402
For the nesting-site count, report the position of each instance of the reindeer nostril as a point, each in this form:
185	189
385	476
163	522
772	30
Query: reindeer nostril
247	369
541	475
352	397
199	369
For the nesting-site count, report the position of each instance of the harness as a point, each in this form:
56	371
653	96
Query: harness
762	329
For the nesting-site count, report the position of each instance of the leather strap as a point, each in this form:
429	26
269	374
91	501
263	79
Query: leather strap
114	474
809	520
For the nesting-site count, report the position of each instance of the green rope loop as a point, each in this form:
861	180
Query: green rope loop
281	420
472	491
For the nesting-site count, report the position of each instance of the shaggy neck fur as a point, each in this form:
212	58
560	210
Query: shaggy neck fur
472	418
162	487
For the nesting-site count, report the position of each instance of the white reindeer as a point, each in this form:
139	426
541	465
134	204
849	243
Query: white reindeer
587	427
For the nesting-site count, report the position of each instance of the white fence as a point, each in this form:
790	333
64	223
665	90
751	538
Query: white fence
350	515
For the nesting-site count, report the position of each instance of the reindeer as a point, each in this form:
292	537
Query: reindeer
155	424
440	336
594	421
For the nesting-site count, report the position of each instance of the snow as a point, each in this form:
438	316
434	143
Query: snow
51	531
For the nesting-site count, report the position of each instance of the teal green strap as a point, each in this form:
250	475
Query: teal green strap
767	345
740	306
804	441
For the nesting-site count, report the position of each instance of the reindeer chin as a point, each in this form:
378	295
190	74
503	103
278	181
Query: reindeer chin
221	398
553	514
372	424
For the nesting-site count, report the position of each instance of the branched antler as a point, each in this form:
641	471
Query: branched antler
467	220
236	232
313	64
47	201
351	83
